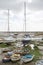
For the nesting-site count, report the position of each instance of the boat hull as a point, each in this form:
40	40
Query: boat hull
14	60
25	60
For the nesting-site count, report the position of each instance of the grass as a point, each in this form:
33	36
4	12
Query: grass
34	52
3	45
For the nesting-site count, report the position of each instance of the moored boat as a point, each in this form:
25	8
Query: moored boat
6	59
27	58
39	62
15	57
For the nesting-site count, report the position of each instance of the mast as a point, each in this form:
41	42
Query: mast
25	15
8	20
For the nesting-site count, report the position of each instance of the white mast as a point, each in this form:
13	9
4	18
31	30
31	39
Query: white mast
8	20
25	15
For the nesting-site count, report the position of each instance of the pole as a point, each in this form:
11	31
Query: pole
8	20
25	14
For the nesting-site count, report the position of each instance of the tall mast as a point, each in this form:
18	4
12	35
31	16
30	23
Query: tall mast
25	15
8	20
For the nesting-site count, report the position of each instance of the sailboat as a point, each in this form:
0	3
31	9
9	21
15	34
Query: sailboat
28	57
9	38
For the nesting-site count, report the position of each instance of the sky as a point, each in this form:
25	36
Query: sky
34	15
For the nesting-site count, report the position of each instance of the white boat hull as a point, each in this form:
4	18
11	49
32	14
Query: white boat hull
15	59
27	60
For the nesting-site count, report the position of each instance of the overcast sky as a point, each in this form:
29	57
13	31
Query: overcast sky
34	15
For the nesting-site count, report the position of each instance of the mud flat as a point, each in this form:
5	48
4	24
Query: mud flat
10	63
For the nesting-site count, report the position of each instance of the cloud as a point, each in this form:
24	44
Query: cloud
34	14
17	5
35	21
35	5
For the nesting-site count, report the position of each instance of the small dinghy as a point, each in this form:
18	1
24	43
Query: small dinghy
27	58
15	57
6	59
9	53
39	62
